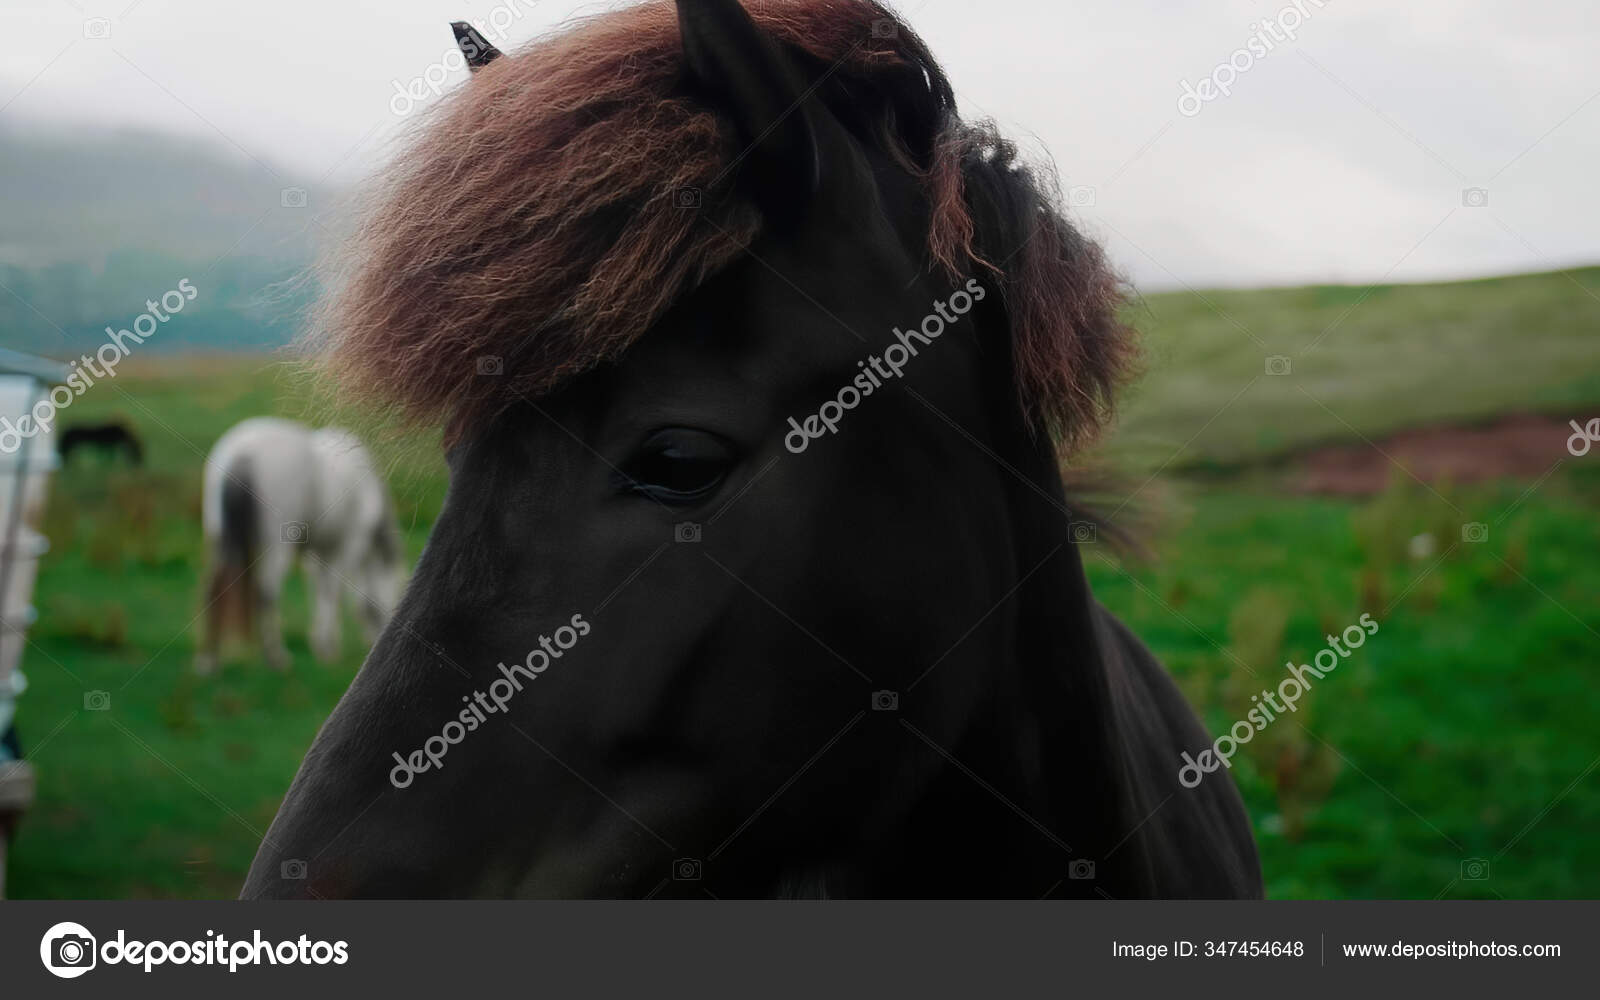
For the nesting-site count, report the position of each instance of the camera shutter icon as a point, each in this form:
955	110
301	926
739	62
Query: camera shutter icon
68	950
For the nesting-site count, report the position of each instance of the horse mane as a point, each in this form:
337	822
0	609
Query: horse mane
557	204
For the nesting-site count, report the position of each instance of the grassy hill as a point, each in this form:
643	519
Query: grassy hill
1463	730
1373	358
92	225
74	195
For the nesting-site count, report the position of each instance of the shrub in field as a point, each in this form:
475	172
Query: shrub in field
1286	754
103	625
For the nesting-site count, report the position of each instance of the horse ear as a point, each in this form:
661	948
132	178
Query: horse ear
740	69
477	50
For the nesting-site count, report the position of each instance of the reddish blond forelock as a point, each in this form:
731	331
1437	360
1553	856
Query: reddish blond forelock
536	219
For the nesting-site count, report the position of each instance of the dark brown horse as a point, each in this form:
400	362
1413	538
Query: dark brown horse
110	439
757	574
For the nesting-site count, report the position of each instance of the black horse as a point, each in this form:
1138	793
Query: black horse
757	575
112	438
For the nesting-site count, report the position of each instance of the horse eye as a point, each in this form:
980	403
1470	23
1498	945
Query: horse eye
678	465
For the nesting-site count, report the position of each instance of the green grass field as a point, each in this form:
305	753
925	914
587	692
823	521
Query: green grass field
1369	359
1464	729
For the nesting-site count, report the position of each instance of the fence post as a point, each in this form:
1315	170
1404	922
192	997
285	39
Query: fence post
23	382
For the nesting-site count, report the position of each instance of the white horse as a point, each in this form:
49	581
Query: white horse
275	489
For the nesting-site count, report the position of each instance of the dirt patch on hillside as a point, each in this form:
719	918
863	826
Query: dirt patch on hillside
1524	446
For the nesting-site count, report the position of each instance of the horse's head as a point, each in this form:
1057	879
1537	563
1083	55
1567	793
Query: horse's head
756	355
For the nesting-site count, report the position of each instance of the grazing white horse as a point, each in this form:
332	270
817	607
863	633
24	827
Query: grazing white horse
275	490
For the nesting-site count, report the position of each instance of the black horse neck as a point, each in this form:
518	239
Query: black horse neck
1069	682
1039	777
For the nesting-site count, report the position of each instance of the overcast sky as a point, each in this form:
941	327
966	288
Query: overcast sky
1338	155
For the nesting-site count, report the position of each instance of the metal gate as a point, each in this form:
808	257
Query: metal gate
27	457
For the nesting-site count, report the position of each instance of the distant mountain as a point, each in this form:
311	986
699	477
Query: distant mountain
95	224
